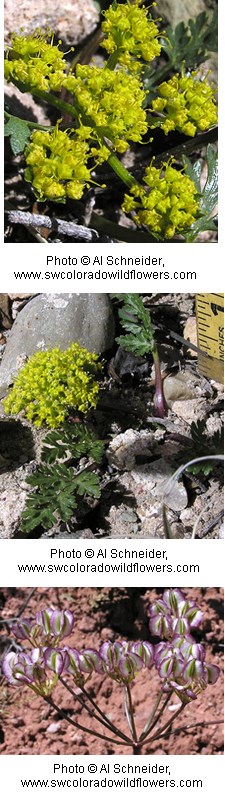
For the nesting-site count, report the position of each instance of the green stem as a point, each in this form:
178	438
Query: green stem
82	727
112	60
46	96
149	725
165	727
157	718
102	718
130	712
160	74
121	171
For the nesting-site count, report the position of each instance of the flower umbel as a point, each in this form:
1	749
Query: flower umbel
28	669
179	661
169	206
131	34
35	62
185	104
123	660
174	614
109	101
57	164
53	380
181	667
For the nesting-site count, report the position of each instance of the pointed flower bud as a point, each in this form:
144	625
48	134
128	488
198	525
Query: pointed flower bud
181	667
55	623
54	660
23	667
23	629
122	660
212	672
145	651
90	660
43	620
174	614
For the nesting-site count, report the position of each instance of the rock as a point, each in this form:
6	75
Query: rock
184	385
12	501
154	479
56	531
71	20
57	319
126	446
175	11
18	295
190	410
54	727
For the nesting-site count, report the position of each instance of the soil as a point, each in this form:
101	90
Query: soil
31	727
142	450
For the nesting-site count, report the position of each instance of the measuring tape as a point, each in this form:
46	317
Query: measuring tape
210	325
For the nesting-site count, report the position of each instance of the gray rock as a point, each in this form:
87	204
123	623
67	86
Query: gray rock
12	501
57	319
71	20
175	11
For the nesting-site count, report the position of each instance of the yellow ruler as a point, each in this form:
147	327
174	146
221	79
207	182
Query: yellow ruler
210	325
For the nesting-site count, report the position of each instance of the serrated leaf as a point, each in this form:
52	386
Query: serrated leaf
87	482
204	467
74	440
32	517
190	42
19	133
135	319
209	194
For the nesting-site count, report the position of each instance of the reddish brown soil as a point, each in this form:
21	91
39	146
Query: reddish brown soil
30	726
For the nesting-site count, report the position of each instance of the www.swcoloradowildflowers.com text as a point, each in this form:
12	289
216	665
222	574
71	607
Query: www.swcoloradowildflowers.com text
135	783
123	567
99	274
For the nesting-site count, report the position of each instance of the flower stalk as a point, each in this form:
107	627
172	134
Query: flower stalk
178	660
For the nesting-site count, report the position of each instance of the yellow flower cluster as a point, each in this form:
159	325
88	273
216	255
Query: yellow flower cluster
186	104
169	206
35	62
56	164
131	34
53	380
111	101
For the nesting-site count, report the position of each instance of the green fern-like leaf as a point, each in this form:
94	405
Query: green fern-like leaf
136	321
54	496
209	195
56	484
74	440
87	483
205	445
191	42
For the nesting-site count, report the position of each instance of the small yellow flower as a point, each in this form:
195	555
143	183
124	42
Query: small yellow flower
186	104
57	164
170	203
131	34
53	380
35	61
111	102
